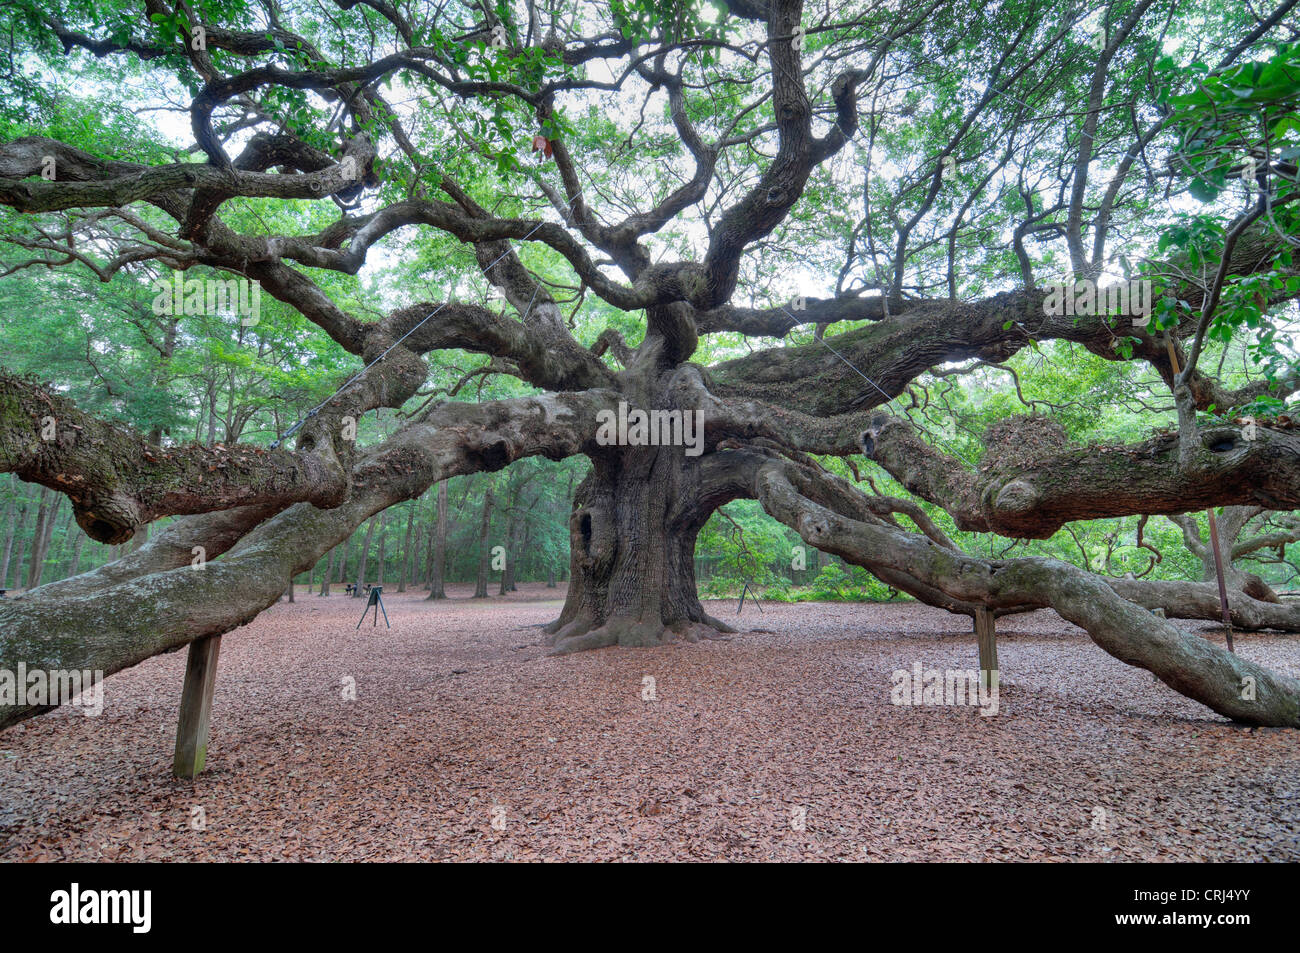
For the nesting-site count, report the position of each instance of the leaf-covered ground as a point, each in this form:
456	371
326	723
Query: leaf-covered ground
465	742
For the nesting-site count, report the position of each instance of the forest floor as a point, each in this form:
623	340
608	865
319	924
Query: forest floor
465	741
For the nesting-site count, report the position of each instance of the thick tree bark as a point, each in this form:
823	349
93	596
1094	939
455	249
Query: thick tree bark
118	482
637	516
1032	483
159	601
632	545
1200	600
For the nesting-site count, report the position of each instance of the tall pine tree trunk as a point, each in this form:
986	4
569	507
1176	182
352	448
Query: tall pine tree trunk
20	540
10	526
38	535
484	554
363	556
406	549
507	569
512	567
329	571
65	541
439	564
379	557
343	566
76	551
46	538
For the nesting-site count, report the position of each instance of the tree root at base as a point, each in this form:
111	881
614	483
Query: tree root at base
580	635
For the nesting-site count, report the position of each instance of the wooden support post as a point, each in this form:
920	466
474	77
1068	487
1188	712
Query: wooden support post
196	707
987	636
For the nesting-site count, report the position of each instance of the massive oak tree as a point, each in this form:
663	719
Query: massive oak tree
793	215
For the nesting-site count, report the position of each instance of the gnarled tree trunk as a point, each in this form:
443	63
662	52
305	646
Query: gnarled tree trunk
632	546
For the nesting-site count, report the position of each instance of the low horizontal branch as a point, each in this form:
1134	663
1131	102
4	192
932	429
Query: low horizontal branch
1185	662
1029	493
117	481
127	620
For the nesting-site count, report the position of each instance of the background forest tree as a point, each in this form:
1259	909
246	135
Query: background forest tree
829	229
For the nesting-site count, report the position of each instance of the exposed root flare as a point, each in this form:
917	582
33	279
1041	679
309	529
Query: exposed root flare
579	635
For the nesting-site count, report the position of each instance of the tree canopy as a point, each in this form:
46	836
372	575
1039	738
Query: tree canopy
956	291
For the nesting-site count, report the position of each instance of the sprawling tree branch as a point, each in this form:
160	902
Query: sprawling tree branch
1187	663
117	481
72	626
1030	483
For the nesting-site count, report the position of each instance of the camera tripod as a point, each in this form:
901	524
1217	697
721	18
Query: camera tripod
376	600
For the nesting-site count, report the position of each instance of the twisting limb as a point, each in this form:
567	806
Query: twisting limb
71	626
1192	666
117	481
1033	494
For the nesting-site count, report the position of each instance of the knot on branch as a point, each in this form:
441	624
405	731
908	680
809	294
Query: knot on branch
814	528
110	519
877	427
1018	496
1223	440
491	451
